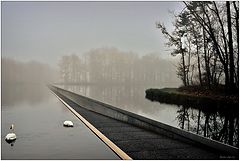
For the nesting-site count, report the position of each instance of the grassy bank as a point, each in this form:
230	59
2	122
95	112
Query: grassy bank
209	101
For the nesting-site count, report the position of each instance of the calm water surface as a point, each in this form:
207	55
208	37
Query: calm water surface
130	98
38	117
220	126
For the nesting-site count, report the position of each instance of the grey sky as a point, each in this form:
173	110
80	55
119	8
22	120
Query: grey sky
44	31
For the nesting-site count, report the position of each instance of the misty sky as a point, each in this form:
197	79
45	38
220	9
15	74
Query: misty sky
44	31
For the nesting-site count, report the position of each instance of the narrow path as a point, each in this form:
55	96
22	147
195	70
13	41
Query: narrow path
140	143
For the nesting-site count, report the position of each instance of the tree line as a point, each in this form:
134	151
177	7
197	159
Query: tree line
206	36
14	71
110	65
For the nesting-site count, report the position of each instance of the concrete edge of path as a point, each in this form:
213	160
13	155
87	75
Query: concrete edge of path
108	142
140	121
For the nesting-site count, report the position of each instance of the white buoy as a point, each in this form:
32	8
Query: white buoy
68	123
11	136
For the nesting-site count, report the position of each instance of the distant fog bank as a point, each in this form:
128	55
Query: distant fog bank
32	72
101	66
113	66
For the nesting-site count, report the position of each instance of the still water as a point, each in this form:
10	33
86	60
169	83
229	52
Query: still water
220	126
38	117
130	98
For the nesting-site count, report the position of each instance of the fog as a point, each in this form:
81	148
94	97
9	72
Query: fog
113	66
37	35
45	31
97	66
32	72
113	52
87	42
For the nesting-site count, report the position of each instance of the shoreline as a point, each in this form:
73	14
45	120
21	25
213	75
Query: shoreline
204	102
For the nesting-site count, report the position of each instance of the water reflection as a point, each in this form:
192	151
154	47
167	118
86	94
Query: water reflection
130	98
14	93
218	125
38	116
11	142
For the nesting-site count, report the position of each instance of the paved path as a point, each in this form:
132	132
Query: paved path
140	143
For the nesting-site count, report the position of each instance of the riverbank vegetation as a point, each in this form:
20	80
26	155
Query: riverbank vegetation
210	115
194	98
206	36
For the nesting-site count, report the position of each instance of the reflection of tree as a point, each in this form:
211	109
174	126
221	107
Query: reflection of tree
218	126
221	126
183	116
14	94
198	120
130	98
214	125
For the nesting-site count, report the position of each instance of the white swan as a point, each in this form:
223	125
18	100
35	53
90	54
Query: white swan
68	123
11	136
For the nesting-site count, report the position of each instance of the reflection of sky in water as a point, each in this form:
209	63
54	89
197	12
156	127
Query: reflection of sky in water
40	133
131	99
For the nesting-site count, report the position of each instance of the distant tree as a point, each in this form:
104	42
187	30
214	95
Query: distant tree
64	65
109	65
14	71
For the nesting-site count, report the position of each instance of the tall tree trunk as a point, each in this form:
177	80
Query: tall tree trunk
184	67
230	44
206	60
225	67
188	121
225	44
192	74
199	66
237	29
184	70
189	62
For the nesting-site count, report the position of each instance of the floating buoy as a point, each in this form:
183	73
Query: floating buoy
10	137
68	123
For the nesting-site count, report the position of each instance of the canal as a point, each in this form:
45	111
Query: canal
220	126
38	117
130	98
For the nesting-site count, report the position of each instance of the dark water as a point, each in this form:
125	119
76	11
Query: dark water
220	126
38	117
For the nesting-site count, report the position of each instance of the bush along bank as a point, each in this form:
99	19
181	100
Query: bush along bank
205	103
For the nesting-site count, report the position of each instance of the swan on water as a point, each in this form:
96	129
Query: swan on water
68	123
10	137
